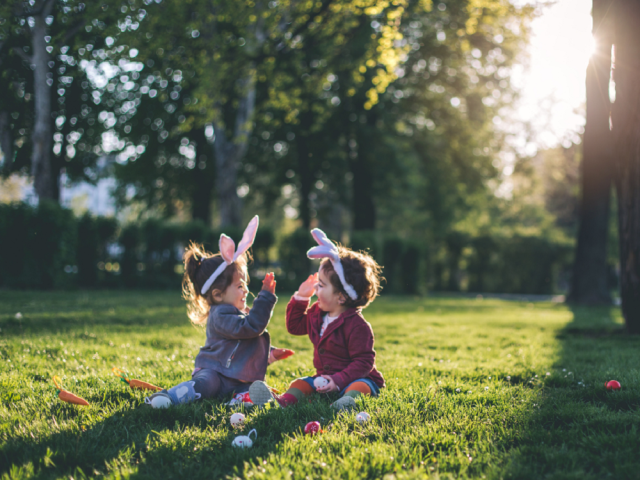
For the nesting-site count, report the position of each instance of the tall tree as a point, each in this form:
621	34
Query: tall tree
626	131
589	281
237	56
42	43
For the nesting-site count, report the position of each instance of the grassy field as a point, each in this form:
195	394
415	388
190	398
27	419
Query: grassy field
477	388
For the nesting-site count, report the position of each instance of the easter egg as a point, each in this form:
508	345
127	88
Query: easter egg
363	417
320	382
244	441
312	428
237	420
613	385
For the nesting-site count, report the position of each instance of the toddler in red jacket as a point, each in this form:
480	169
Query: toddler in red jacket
343	353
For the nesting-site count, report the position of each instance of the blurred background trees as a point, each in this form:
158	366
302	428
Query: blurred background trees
382	122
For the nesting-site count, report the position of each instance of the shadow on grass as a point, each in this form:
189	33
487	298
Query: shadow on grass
579	429
192	441
139	439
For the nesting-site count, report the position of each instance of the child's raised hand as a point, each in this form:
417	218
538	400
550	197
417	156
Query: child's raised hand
308	287
277	354
269	283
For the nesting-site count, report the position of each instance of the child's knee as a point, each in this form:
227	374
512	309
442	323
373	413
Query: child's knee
302	385
360	387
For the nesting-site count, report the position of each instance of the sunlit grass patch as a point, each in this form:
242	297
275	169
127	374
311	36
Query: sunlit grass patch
476	388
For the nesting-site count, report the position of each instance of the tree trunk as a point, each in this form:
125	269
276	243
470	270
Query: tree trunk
305	155
229	153
41	167
364	212
6	140
589	284
203	179
626	131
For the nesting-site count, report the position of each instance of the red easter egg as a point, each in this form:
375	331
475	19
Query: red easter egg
613	385
246	398
312	428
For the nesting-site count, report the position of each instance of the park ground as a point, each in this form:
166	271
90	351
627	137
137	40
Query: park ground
476	388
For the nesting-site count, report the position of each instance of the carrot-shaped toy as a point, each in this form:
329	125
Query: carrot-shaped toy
67	396
133	383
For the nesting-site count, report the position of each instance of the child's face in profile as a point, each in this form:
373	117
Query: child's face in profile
329	300
236	293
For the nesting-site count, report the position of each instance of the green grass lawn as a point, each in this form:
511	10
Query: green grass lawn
475	389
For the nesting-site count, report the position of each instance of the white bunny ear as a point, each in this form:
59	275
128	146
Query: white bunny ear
227	249
321	238
248	237
322	252
325	249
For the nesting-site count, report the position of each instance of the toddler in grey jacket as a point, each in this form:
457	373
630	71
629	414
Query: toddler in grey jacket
238	347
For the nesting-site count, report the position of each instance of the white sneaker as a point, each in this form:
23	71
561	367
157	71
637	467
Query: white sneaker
260	393
344	403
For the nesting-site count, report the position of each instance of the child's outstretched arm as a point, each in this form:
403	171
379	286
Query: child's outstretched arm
296	316
228	323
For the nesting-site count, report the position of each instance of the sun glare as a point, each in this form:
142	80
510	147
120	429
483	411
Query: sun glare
591	46
553	87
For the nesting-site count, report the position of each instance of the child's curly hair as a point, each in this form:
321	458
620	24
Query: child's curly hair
198	267
360	271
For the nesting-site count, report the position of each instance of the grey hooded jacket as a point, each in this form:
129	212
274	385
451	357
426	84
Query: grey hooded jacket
238	343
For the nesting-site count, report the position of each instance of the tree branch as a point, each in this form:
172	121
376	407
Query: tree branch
323	8
23	55
47	6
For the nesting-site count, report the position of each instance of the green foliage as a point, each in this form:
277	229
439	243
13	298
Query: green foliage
411	268
517	264
39	243
367	241
94	233
265	239
130	240
292	254
76	36
158	241
392	253
467	396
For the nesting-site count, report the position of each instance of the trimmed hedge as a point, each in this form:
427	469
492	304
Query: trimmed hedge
38	246
46	247
517	264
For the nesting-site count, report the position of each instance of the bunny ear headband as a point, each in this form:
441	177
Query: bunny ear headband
327	249
229	252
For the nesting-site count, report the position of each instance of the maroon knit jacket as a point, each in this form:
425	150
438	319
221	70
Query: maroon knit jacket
345	351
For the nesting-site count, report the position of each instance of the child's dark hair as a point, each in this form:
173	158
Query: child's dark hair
360	271
199	265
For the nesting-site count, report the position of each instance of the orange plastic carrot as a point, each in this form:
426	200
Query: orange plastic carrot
66	396
133	383
143	385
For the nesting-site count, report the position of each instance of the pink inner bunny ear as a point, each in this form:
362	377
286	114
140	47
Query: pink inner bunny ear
227	248
248	237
